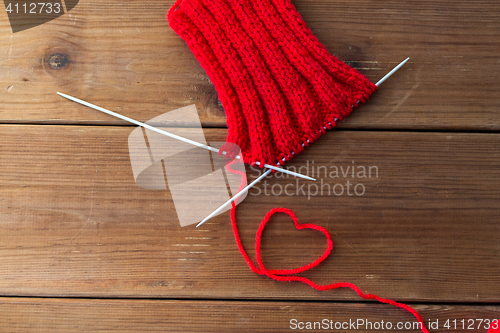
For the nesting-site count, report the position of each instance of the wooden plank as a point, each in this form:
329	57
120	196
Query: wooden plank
73	315
125	57
74	223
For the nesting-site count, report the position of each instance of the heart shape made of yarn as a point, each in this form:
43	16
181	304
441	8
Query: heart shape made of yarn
298	226
286	275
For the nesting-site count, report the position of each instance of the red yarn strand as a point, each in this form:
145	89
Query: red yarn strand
280	88
286	275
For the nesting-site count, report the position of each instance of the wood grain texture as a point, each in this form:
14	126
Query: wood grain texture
42	315
73	222
76	229
125	57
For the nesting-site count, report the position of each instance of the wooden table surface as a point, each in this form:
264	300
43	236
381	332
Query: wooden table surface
84	249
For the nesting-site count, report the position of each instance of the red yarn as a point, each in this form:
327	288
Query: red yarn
279	86
285	275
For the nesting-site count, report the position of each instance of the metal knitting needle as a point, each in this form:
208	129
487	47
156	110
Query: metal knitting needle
240	193
173	136
394	70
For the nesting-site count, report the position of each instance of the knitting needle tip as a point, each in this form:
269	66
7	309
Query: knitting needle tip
394	70
240	193
287	171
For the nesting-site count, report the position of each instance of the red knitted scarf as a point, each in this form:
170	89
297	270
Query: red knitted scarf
279	86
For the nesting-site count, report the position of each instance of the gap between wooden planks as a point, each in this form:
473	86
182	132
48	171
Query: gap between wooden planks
79	315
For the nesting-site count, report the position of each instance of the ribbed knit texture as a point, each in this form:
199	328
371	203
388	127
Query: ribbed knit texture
279	86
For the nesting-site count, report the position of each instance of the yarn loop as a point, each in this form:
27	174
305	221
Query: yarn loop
288	275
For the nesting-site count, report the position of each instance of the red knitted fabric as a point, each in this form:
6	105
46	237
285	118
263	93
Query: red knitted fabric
279	86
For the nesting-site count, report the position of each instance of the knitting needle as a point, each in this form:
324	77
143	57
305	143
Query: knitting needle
394	70
173	136
240	193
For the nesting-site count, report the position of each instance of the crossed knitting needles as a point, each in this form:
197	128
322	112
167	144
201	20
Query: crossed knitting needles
200	145
394	70
174	136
